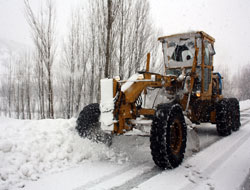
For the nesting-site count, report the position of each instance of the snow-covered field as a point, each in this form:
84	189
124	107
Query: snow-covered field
49	154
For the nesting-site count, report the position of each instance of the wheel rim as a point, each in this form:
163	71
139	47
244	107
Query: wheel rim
176	136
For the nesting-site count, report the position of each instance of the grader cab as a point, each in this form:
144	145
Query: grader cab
192	89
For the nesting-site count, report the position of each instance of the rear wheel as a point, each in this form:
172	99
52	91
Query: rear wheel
224	118
234	108
168	136
88	125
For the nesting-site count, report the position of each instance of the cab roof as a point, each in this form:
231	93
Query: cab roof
197	34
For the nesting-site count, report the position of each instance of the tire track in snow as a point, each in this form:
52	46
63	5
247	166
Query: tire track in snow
245	115
139	179
246	183
104	178
211	168
110	176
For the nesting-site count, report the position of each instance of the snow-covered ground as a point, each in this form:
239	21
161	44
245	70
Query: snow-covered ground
49	154
31	148
244	105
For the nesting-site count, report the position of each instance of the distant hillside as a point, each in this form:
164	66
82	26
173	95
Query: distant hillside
8	48
12	45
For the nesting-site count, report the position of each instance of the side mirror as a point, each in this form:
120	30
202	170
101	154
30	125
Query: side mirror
211	49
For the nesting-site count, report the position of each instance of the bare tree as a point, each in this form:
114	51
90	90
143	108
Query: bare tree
109	28
120	36
10	85
124	15
43	31
228	88
76	53
40	80
16	86
27	63
243	82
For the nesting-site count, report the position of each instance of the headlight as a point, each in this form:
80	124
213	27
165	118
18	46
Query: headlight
117	78
198	93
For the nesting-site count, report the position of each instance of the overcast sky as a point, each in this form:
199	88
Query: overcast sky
228	21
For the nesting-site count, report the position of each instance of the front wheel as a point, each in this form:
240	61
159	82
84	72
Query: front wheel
168	136
88	125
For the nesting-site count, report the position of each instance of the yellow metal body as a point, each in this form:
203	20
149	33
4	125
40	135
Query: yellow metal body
125	105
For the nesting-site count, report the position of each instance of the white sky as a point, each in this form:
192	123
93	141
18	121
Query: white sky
228	21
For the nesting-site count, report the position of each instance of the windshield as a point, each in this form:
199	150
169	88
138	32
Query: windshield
179	52
182	52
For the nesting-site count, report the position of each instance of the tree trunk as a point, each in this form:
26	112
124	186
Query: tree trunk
50	96
109	28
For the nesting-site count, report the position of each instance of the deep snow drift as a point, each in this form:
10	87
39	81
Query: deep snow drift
30	148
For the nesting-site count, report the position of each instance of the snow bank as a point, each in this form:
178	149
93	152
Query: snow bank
31	148
244	104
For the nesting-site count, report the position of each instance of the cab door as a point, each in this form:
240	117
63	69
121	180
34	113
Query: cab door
207	69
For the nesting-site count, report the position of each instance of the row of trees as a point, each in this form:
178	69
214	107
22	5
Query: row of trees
235	84
16	87
243	83
105	39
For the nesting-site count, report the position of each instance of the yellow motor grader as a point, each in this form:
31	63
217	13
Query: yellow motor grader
192	89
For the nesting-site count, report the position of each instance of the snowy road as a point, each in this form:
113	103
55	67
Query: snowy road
221	163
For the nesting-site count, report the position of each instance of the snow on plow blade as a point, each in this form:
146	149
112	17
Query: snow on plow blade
107	105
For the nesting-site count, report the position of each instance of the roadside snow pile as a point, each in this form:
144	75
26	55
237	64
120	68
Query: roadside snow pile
31	148
244	104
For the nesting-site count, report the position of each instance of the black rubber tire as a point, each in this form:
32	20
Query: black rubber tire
168	136
223	117
234	108
88	125
88	120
